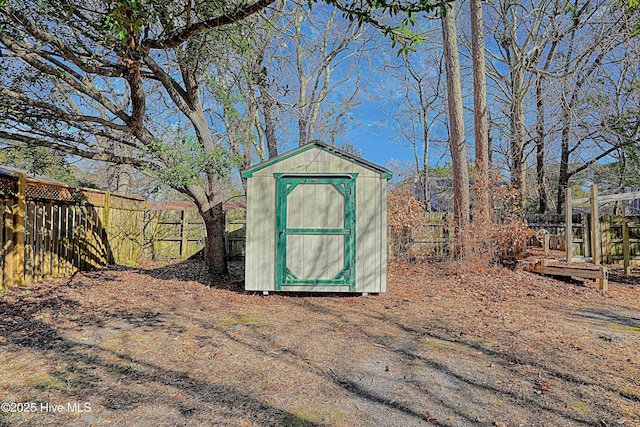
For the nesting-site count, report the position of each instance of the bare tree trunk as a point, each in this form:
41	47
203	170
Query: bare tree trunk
563	178
540	143
480	111
269	125
456	132
425	168
518	163
215	254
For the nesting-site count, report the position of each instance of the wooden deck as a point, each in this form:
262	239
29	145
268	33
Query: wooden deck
548	267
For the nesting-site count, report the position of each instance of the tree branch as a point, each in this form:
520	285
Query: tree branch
61	114
110	70
72	150
595	159
190	30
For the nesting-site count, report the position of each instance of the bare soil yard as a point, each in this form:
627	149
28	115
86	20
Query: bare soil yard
162	345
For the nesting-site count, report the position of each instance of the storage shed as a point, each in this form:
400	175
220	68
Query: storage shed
316	222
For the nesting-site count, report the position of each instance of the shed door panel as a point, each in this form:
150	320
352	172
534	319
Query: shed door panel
315	257
315	225
315	206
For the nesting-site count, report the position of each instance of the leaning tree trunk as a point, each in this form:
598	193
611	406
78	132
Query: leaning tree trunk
456	134
564	175
540	147
518	135
480	113
214	254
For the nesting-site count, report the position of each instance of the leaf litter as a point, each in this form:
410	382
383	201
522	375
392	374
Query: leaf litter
164	344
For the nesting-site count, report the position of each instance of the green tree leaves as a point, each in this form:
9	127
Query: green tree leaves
188	164
39	161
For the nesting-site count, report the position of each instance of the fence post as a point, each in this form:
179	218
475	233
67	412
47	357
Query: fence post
626	250
227	247
65	247
586	235
140	215
183	245
596	236
105	227
55	242
29	253
19	229
606	224
545	243
9	245
46	236
568	225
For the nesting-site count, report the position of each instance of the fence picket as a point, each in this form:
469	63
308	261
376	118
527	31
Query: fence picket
9	259
64	232
55	241
47	227
39	243
29	242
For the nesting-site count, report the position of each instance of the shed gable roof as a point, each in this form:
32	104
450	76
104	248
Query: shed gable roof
385	174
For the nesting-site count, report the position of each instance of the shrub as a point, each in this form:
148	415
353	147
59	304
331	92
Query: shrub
404	213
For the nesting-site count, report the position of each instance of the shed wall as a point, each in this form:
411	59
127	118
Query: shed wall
260	249
371	219
315	160
371	189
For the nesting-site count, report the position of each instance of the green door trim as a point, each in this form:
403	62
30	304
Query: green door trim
345	183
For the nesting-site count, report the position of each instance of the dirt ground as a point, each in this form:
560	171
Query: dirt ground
159	344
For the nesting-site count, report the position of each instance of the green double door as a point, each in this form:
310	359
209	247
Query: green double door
315	226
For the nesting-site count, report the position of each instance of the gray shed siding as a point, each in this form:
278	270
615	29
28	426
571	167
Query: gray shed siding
370	221
260	250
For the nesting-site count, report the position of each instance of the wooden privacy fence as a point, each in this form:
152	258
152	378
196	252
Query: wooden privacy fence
172	233
51	230
619	236
176	230
554	225
431	239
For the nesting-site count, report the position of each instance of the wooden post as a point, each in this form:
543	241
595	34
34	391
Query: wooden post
38	273
105	226
596	236
586	235
81	228
29	242
183	244
75	239
603	282
141	224
568	223
19	215
64	240
90	243
605	231
9	245
227	248
626	250
46	234
545	242
55	242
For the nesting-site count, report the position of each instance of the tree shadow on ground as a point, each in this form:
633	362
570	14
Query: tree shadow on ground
616	274
409	355
100	366
88	370
191	270
194	270
601	315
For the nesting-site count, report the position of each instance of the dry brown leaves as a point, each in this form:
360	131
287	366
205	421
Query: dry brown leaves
163	344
